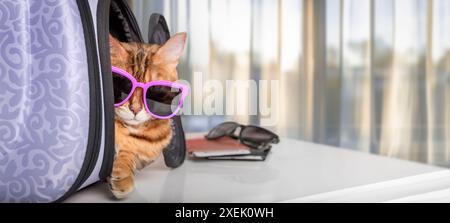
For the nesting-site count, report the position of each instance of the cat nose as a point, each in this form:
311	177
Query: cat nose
135	109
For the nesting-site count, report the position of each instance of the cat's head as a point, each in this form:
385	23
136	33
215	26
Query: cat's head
146	62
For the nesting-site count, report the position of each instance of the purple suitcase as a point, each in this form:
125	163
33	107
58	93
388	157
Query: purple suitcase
56	102
56	95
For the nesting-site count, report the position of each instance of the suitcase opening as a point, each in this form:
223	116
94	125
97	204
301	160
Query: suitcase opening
122	24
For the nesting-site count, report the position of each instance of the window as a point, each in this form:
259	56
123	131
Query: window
369	75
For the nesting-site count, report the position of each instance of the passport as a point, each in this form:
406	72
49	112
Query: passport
224	148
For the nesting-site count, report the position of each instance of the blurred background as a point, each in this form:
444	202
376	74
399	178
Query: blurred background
368	75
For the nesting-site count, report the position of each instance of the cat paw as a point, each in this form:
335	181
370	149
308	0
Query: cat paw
120	172
122	187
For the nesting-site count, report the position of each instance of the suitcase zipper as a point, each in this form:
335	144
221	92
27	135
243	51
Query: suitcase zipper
95	119
108	92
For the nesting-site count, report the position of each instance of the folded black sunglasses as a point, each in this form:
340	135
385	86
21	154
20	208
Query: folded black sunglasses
252	136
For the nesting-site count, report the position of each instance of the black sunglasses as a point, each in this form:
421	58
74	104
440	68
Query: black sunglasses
252	136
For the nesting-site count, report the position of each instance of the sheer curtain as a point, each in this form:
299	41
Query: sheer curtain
369	75
239	40
404	121
438	84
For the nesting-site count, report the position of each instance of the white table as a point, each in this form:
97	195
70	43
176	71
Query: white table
295	171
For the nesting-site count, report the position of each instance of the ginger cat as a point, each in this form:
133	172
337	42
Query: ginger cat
140	138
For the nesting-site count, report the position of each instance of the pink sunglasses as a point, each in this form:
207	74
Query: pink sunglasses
162	99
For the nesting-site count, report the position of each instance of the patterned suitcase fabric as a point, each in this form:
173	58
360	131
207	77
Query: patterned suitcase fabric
44	99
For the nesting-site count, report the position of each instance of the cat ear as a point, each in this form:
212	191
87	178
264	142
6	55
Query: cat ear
171	51
115	46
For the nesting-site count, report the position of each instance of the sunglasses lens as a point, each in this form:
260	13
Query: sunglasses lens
222	130
163	100
257	135
122	88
